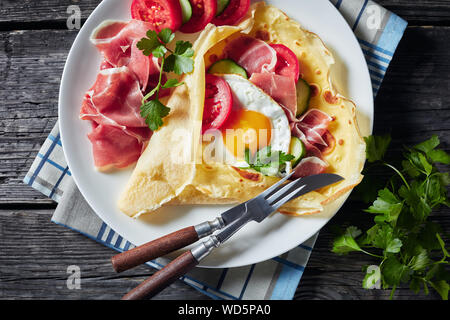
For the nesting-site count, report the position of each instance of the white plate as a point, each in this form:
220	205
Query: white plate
255	243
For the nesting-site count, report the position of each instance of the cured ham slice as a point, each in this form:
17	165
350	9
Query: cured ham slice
314	124
114	99
143	66
310	166
281	88
316	120
116	148
115	38
312	130
117	41
254	55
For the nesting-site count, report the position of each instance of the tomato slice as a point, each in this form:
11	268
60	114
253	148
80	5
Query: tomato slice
287	62
161	13
203	11
234	12
218	102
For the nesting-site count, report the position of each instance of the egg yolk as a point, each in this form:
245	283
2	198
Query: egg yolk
246	129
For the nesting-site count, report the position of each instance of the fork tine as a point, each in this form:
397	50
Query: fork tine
294	194
276	186
284	190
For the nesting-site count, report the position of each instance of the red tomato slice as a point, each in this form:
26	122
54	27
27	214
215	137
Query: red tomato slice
218	102
203	11
161	13
234	12
287	62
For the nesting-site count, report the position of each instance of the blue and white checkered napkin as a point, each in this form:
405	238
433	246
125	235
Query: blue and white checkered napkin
378	32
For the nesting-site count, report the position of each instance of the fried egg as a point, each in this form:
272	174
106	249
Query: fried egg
255	121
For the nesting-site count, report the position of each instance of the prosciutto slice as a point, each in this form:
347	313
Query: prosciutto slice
312	130
115	38
281	88
310	166
314	124
114	99
116	148
117	41
254	55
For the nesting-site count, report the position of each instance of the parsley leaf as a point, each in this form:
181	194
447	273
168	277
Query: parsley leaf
147	45
442	287
172	83
153	111
428	145
439	156
180	61
393	272
166	35
268	162
376	147
346	241
388	205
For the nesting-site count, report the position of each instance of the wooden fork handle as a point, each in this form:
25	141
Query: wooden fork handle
154	249
163	278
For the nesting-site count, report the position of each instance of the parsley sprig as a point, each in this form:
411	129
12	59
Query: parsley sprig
266	161
409	247
179	61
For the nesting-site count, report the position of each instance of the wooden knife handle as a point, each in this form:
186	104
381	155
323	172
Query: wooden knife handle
154	249
163	278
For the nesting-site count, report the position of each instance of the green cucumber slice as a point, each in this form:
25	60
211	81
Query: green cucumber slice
303	96
221	6
227	66
269	171
297	149
186	10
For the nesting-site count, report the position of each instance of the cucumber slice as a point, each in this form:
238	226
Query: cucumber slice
186	10
269	171
221	6
303	96
227	66
298	150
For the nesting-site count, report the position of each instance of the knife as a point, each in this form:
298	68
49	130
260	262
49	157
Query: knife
256	209
181	238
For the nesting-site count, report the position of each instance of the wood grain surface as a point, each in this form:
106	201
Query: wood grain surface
412	104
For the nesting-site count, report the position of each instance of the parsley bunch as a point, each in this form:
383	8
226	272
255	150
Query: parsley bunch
266	161
179	61
409	247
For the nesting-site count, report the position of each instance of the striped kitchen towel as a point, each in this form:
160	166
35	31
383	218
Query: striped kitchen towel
378	31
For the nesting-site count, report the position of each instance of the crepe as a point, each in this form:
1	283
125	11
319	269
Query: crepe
167	166
156	182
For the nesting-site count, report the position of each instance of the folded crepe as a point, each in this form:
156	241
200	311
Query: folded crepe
172	169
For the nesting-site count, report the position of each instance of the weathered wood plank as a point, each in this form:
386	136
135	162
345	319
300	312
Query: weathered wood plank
425	12
36	254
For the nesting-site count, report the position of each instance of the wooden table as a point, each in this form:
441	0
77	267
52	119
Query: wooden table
413	103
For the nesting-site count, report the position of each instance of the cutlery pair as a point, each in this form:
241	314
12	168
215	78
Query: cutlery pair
229	222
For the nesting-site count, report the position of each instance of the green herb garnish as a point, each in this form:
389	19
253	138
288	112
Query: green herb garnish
408	246
268	162
179	61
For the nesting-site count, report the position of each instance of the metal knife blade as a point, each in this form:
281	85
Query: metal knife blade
304	185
